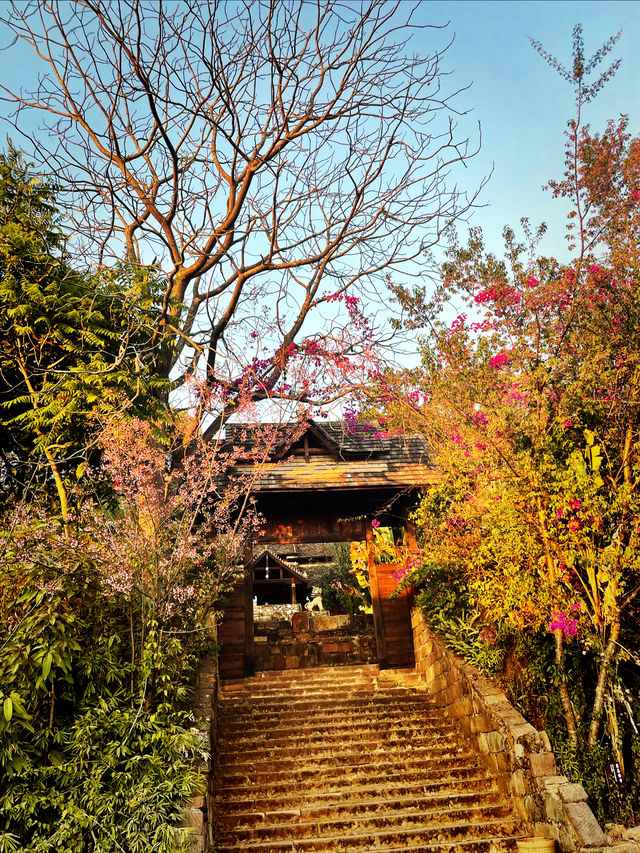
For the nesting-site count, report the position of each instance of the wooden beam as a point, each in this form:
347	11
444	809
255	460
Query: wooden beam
378	623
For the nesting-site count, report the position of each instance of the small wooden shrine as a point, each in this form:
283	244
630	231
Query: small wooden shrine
274	582
328	486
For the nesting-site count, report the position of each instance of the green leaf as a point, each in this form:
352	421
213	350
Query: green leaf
46	665
8	708
595	457
56	758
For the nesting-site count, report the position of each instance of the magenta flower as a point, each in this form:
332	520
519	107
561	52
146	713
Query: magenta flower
401	573
375	523
562	622
499	360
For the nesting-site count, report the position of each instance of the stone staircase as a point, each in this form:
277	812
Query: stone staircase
348	759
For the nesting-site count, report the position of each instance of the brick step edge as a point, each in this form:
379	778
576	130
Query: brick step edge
385	823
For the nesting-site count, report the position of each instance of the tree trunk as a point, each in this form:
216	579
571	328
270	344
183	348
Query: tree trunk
603	678
564	690
51	459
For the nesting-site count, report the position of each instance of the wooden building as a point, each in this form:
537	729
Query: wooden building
328	486
274	582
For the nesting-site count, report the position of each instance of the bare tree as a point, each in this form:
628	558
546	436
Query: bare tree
267	156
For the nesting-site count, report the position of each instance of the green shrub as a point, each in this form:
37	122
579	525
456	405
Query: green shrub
97	749
339	570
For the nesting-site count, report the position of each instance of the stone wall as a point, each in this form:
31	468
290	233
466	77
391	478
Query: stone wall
313	640
197	814
514	750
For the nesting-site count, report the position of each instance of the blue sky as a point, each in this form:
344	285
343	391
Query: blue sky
521	103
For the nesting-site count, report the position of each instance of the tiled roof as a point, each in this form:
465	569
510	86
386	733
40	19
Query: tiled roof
348	460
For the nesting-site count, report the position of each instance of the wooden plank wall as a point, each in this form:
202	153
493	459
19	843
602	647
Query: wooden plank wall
235	632
311	526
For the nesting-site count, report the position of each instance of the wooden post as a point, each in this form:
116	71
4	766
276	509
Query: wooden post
412	541
249	656
294	600
381	646
414	550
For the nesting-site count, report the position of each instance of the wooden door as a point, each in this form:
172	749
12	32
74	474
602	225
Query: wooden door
392	616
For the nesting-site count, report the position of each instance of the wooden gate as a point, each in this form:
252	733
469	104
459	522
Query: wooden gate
391	616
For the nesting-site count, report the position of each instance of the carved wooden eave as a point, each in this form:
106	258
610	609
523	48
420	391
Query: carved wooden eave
271	560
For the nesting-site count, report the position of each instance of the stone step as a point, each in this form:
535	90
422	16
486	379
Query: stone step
438	804
293	697
315	678
329	714
401	830
384	731
309	707
250	686
319	691
301	678
380	732
352	754
486	845
315	674
396	784
473	818
350	760
329	722
410	769
315	683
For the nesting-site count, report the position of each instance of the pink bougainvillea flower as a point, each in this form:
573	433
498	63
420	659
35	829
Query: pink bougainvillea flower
375	523
400	574
562	622
499	360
